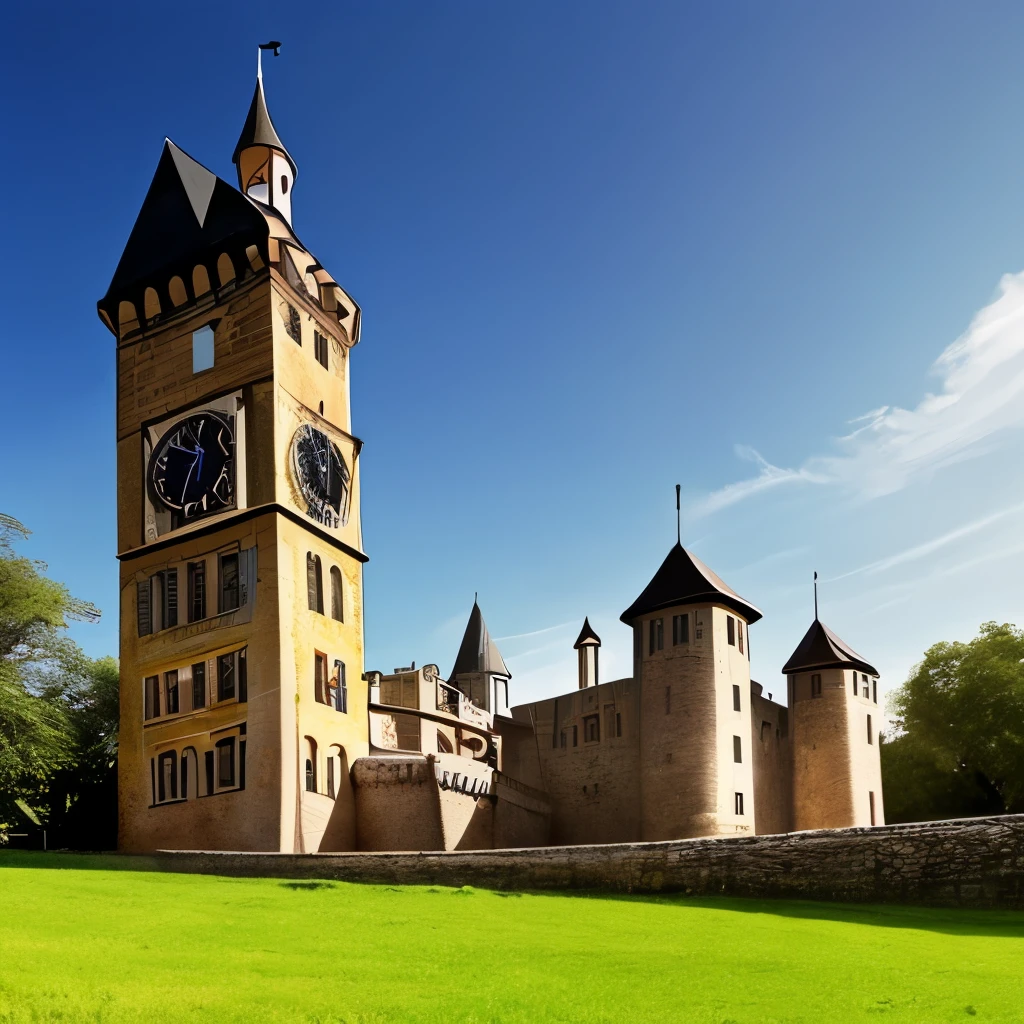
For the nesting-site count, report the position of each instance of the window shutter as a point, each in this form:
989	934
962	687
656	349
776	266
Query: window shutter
144	608
311	581
171	597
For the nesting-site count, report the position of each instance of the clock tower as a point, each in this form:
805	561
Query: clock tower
239	537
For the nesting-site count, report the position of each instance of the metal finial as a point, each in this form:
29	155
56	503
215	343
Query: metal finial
815	597
679	529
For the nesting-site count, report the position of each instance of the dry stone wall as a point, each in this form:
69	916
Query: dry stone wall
971	862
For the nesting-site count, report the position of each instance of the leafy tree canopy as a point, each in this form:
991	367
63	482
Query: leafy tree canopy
959	719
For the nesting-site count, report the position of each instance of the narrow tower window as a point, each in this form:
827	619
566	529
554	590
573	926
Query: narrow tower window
736	698
337	597
739	803
739	634
730	629
202	349
314	583
680	629
874	691
816	685
737	749
870	736
284	184
871	806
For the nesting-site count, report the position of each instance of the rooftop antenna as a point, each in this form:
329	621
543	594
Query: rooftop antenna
679	531
815	597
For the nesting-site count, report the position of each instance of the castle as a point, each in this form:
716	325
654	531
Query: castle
248	721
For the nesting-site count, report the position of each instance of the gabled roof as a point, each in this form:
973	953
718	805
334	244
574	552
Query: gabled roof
478	653
821	648
259	129
587	636
188	210
684	579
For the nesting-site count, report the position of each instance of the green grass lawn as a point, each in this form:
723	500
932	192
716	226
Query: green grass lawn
82	941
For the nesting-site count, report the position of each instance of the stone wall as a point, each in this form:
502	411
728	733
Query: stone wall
971	862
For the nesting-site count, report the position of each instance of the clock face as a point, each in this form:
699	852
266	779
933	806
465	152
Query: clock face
322	475
192	468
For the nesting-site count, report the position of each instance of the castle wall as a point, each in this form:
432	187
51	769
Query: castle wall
973	862
592	782
772	764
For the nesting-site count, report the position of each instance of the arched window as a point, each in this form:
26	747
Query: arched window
310	745
167	776
337	595
189	773
314	583
284	184
151	303
200	280
225	269
127	318
176	289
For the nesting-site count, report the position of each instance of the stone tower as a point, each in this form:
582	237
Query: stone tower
833	701
691	662
479	670
242	699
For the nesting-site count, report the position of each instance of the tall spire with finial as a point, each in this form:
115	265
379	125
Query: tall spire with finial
266	170
815	596
679	528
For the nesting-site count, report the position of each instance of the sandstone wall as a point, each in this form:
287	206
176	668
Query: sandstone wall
971	862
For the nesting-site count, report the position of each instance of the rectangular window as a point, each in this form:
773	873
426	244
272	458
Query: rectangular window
202	349
870	737
225	677
874	691
575	735
739	634
730	629
229	589
152	697
293	326
816	685
855	684
592	728
871	806
225	763
739	803
320	349
737	749
196	591
341	687
618	723
736	698
143	607
680	629
171	689
199	686
656	635
319	677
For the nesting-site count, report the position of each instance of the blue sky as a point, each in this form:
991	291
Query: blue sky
771	252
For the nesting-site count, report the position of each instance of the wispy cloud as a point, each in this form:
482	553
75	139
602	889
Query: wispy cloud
931	546
769	476
981	394
535	632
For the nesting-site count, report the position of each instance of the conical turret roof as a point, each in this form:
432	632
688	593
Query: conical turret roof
587	636
259	129
684	579
821	648
478	652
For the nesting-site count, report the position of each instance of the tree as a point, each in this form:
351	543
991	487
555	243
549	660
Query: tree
959	720
38	737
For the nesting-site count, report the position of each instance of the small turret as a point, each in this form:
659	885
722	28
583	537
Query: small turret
588	643
479	670
833	700
266	170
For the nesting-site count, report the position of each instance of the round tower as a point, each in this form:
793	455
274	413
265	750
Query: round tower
833	700
691	661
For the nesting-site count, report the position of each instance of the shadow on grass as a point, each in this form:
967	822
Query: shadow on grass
945	920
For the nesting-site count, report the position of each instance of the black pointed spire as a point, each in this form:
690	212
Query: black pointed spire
478	652
587	636
684	579
821	648
259	129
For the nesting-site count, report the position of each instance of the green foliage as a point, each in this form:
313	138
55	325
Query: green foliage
58	709
83	942
959	748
